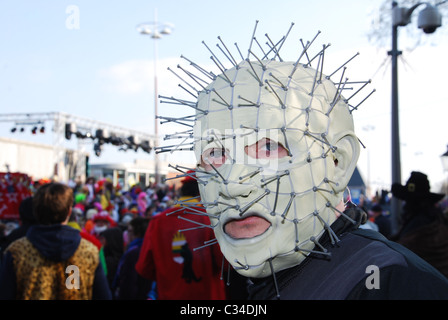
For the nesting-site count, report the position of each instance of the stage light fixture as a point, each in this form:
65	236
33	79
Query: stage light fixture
69	129
145	145
97	148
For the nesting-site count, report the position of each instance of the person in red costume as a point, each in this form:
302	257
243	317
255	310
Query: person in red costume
168	254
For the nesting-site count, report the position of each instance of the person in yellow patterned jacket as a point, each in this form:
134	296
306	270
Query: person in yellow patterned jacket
52	262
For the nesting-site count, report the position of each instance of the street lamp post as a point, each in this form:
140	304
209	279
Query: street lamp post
429	20
156	30
444	158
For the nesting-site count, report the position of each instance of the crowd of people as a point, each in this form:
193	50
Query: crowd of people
113	220
116	223
264	216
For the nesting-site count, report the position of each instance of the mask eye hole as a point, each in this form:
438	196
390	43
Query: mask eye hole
213	157
266	149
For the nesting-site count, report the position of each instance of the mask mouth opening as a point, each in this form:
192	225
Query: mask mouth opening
247	227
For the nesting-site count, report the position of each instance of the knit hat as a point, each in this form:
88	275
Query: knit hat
189	177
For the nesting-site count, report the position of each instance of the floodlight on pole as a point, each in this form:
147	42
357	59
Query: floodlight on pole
156	30
444	158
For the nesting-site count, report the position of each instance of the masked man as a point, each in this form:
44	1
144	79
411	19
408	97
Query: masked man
275	148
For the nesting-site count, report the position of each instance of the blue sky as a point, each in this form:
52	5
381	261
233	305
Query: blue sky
104	69
61	68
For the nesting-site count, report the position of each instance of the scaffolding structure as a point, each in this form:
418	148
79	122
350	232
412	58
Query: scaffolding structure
66	126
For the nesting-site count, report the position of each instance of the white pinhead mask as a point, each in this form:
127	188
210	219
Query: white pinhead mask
275	148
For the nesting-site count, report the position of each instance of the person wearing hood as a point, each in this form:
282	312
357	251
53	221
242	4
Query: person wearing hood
53	261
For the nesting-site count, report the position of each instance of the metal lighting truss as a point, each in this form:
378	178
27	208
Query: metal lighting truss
66	125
